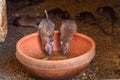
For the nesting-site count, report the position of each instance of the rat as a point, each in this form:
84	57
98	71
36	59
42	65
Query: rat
68	29
58	13
88	18
108	13
27	21
46	28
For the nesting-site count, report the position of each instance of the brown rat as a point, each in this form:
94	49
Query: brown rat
58	13
88	18
27	21
46	28
108	13
68	29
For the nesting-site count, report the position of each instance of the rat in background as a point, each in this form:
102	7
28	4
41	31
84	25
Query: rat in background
68	29
33	21
88	18
57	13
46	29
27	21
108	13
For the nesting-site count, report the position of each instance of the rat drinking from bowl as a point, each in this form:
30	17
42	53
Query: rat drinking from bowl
68	29
46	28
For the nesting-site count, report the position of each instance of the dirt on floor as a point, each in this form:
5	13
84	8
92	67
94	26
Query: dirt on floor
106	63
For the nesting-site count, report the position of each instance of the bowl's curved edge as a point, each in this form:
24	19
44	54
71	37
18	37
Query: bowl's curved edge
26	60
64	70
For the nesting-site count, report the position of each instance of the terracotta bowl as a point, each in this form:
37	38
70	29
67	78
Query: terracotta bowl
82	46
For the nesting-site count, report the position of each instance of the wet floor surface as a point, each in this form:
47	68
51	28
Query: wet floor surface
105	65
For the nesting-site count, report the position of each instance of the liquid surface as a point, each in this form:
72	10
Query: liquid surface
56	56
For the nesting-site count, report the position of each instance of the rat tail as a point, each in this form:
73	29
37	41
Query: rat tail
46	14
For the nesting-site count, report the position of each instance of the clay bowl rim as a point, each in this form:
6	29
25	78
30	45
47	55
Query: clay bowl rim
38	60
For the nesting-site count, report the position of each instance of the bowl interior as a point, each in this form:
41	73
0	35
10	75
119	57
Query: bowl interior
31	45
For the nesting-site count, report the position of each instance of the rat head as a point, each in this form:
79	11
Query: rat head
49	48
64	46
